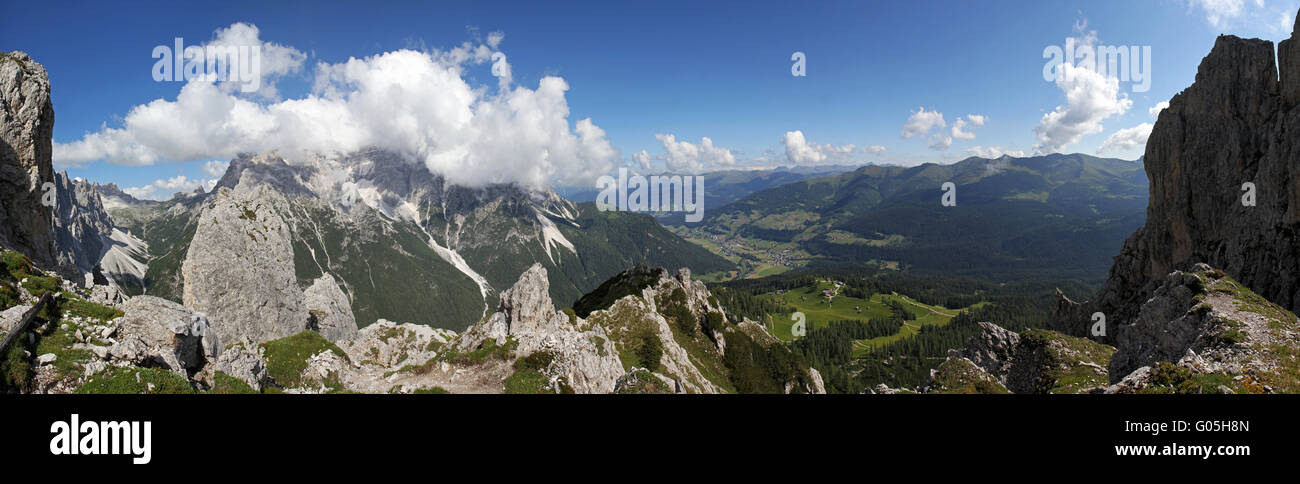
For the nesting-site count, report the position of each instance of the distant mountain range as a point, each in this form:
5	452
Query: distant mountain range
404	244
1058	215
726	186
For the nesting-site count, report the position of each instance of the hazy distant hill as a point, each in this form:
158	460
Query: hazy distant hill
1062	216
723	187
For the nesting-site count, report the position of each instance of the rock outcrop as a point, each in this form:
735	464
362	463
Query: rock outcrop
666	336
239	268
65	227
960	375
395	345
643	306
1036	361
1167	325
160	333
245	364
583	356
10	317
1209	324
1236	124
638	342
111	296
26	130
993	349
329	311
639	381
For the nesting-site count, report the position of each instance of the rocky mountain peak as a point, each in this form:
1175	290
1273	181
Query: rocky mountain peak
264	169
1242	73
113	197
82	227
26	130
239	269
1238	124
329	309
527	305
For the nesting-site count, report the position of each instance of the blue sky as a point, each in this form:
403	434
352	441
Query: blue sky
693	70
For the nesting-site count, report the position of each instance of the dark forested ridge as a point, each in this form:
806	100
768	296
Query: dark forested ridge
906	362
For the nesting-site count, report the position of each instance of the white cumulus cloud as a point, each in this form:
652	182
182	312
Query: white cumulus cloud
1219	12
1126	139
275	60
692	158
1247	18
215	168
163	189
959	126
1090	98
799	150
921	122
417	103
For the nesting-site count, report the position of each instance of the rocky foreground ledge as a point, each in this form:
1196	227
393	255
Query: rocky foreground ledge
657	333
1200	332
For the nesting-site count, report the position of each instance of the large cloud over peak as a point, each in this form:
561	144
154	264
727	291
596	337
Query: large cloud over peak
417	103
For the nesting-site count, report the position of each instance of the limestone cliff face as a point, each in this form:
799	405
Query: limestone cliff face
82	228
239	268
329	309
1238	123
71	233
26	129
1288	57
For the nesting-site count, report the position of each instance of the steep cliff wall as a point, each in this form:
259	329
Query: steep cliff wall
26	128
1238	123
